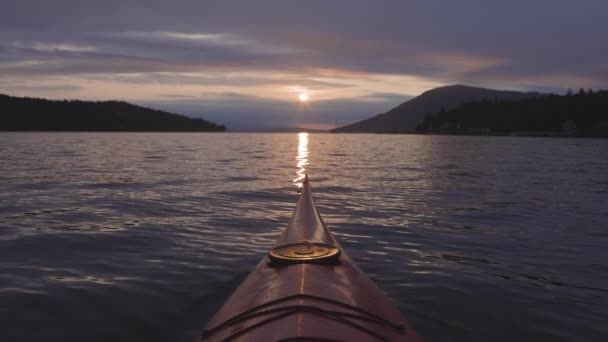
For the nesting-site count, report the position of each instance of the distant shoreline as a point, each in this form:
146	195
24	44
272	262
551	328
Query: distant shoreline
25	114
513	135
59	131
518	135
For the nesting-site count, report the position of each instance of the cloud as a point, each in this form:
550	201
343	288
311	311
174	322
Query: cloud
37	88
386	97
237	79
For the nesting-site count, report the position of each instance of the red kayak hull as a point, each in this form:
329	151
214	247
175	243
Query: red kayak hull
333	301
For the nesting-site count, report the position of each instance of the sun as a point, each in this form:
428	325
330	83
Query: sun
303	97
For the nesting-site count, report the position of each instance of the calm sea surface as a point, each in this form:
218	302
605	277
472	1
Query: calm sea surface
141	237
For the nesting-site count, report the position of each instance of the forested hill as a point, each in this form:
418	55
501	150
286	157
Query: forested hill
581	114
30	114
405	117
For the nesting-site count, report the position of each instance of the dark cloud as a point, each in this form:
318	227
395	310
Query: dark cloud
389	36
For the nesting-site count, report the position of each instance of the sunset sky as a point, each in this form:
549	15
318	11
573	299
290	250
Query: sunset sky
247	63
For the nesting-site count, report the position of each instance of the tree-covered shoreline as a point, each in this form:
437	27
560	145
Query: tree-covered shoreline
33	114
584	114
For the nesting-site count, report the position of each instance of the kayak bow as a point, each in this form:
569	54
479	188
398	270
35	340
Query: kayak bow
307	289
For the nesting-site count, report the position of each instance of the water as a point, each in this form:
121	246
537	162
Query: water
124	237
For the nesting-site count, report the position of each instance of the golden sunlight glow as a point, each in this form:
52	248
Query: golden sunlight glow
303	97
211	87
302	158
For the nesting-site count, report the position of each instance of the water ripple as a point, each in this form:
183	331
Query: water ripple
143	236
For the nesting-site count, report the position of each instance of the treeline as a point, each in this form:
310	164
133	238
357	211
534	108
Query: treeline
582	114
31	114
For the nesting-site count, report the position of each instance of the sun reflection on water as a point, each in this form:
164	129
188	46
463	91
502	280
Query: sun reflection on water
302	158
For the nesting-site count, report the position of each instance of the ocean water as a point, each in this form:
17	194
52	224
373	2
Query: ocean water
141	237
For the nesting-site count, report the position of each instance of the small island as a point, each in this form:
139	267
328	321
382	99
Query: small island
32	114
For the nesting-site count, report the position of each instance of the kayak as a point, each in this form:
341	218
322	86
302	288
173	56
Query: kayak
307	288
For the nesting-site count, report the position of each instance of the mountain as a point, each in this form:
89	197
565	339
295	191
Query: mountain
405	117
30	114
